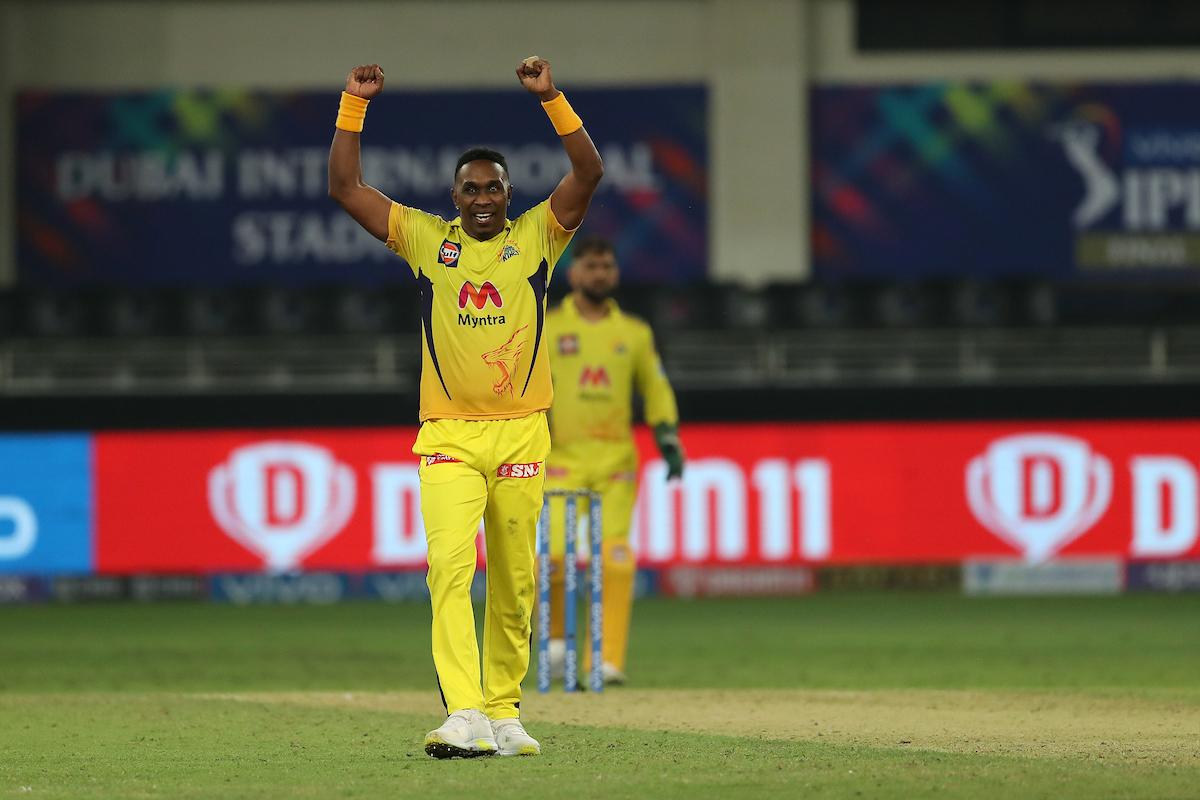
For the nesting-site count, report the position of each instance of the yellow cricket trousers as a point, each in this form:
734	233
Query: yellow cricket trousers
494	470
610	469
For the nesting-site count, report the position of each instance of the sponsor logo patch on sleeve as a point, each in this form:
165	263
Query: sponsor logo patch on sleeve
439	458
519	470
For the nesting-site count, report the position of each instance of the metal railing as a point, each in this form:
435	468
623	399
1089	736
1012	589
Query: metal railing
694	359
796	359
332	364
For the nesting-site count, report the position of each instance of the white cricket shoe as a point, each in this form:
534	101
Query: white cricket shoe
513	740
464	734
612	675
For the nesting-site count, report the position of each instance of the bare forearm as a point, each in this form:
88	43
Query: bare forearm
345	163
585	158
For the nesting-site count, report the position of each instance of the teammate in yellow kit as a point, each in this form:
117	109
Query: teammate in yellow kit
485	390
599	355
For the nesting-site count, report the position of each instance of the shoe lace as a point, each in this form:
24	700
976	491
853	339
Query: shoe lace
511	726
461	717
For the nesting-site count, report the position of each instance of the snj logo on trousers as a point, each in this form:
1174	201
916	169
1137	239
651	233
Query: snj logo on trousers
519	470
479	297
282	500
1039	491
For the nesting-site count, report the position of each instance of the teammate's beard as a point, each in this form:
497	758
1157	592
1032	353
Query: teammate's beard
596	296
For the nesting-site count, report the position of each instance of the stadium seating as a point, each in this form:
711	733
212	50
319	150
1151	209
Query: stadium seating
335	338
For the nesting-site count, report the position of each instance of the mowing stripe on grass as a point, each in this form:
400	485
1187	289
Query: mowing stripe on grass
1041	724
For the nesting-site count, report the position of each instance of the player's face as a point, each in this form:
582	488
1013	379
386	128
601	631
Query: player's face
595	274
481	192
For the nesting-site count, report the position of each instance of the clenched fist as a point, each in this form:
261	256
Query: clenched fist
365	81
534	75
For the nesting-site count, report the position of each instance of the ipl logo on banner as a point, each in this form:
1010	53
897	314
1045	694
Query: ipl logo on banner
1039	491
282	500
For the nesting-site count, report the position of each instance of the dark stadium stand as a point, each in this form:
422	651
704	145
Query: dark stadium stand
346	309
351	354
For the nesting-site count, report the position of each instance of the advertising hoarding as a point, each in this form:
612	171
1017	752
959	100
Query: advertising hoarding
753	495
825	495
228	186
1006	178
45	504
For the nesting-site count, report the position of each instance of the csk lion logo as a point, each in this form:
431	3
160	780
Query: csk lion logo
504	358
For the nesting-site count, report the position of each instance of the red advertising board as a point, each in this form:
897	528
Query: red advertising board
764	494
250	500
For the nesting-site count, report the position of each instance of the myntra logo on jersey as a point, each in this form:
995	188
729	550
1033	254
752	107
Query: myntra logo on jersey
479	297
594	378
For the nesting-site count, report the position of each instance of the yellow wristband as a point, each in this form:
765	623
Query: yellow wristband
562	116
351	113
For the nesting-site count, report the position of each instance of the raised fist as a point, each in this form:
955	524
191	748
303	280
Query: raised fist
534	75
365	81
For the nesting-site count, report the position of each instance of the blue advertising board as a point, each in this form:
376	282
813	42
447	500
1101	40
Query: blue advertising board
1006	179
1163	576
316	588
45	504
225	187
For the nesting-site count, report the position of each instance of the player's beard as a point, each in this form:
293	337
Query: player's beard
596	296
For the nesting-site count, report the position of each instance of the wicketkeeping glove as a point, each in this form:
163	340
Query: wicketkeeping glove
666	436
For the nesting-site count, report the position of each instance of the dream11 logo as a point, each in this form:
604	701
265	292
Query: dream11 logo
281	500
1041	491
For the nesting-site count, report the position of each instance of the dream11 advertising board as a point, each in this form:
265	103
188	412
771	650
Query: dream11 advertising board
753	496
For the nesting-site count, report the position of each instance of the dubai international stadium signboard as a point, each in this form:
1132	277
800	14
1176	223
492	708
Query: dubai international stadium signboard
229	186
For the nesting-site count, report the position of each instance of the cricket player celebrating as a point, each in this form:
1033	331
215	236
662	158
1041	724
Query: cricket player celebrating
485	390
599	356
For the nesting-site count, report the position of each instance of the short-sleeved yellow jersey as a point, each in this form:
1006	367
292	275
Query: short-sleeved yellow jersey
597	365
483	311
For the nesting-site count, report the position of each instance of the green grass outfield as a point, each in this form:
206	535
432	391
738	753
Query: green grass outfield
835	695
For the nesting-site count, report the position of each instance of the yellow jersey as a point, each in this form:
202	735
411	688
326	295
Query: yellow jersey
483	311
597	365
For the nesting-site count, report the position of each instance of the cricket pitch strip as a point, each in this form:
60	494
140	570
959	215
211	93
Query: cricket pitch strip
1155	728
